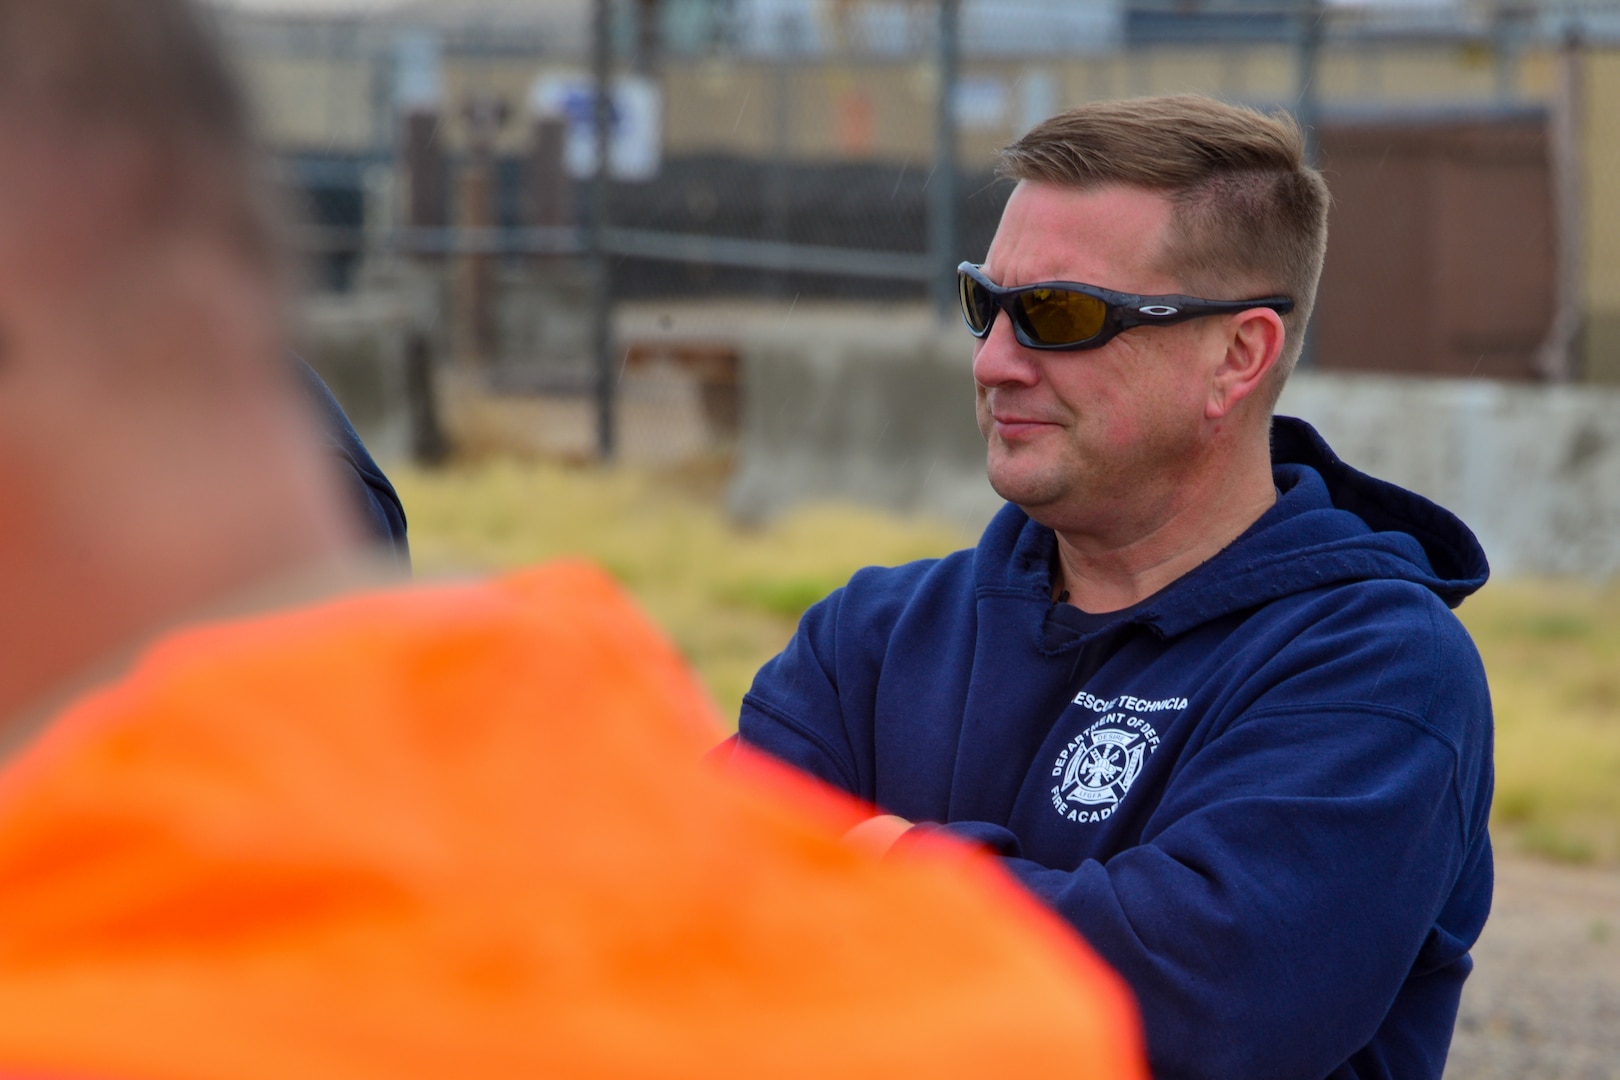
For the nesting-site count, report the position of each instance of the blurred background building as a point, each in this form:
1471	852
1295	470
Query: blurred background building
820	166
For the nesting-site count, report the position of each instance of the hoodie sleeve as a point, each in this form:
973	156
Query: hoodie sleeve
374	497
798	683
813	705
1301	871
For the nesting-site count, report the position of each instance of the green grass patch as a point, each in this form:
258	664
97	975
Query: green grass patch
730	598
788	597
1549	841
1552	626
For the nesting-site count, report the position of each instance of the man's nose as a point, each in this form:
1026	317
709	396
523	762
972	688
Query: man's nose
999	360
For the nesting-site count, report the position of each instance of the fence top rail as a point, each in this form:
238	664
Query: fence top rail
624	243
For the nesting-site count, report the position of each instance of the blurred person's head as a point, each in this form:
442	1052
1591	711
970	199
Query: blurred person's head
154	456
1177	195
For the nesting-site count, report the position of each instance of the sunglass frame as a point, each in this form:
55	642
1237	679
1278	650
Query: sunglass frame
1125	311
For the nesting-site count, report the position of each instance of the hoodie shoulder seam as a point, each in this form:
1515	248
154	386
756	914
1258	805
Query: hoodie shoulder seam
1368	708
1362	707
804	731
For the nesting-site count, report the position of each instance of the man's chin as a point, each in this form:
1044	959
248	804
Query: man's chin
1028	488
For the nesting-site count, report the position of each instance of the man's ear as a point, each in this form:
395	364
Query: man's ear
1254	342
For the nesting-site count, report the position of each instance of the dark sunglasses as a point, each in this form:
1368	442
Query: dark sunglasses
1072	316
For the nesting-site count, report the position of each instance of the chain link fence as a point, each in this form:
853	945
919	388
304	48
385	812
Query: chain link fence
773	165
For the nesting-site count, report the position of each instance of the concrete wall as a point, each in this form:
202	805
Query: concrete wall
1534	470
855	416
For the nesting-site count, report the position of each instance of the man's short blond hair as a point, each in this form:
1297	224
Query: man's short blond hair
1250	214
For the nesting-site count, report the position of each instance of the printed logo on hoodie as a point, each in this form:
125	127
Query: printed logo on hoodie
1097	768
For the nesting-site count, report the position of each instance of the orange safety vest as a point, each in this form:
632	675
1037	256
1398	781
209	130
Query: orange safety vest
468	832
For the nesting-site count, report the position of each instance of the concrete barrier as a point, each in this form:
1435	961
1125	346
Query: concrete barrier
1534	470
850	415
853	416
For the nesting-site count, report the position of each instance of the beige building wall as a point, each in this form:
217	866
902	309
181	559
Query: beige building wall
878	110
886	111
809	112
312	102
838	109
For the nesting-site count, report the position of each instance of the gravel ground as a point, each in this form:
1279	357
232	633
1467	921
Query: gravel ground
1544	999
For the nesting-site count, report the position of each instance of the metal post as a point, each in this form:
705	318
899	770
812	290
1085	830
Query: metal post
1312	12
1305	101
476	333
1505	50
1557	359
649	37
942	185
776	190
549	198
425	208
594	224
419	97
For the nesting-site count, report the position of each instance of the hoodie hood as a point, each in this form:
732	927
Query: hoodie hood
1332	524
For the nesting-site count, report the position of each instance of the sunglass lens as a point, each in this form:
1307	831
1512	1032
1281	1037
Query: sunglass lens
1061	316
978	306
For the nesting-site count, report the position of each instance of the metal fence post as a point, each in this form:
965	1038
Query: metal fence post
942	186
777	195
595	224
1557	360
1306	111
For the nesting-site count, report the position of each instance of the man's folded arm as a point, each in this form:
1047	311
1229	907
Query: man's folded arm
1282	892
813	735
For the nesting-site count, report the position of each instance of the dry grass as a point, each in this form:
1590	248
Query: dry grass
1552	652
730	598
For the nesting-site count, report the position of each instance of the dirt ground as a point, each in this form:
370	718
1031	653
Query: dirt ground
1544	999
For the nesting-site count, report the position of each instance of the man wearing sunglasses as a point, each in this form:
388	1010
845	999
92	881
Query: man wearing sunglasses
1199	684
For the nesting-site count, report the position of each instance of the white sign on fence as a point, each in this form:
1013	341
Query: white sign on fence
637	117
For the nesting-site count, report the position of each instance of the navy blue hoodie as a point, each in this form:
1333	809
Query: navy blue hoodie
1261	794
381	513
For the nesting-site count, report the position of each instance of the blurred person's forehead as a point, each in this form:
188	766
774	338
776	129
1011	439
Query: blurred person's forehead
153	59
135	79
64	199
